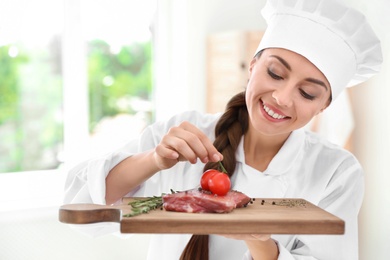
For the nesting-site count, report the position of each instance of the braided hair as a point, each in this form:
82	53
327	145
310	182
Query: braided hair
229	130
232	125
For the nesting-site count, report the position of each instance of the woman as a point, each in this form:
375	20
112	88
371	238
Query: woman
310	52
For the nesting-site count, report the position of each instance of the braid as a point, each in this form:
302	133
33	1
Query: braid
228	132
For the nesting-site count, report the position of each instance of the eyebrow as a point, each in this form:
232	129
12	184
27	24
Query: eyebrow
312	80
282	61
316	81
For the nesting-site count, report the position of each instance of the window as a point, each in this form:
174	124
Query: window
119	68
30	85
73	75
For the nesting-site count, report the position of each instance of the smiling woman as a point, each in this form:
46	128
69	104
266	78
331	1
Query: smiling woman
279	85
259	137
183	27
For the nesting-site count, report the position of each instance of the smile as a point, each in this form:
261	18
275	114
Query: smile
272	114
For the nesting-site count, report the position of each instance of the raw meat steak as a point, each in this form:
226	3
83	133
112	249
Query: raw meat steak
201	201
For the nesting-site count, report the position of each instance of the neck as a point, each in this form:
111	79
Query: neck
260	149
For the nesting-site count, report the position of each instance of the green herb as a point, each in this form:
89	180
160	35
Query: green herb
141	206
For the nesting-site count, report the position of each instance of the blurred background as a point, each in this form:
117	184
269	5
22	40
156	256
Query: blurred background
79	78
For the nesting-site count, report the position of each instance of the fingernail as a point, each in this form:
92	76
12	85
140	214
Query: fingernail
216	157
205	160
175	155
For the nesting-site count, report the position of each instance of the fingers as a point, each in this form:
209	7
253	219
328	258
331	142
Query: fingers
167	152
261	237
187	142
165	158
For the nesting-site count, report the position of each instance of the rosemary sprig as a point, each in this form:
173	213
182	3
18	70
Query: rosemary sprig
141	206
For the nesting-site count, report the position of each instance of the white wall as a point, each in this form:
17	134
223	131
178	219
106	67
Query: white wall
181	47
372	140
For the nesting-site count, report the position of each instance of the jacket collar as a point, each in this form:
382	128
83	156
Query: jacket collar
285	158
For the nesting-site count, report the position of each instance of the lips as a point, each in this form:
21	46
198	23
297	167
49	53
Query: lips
273	113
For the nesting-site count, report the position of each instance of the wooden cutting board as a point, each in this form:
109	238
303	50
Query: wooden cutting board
263	216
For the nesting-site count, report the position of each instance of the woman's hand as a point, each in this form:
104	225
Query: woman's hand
260	237
185	143
261	246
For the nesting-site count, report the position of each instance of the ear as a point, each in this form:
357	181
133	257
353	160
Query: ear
319	112
251	65
322	109
326	106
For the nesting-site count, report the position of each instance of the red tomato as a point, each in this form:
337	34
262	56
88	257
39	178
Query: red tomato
204	181
219	184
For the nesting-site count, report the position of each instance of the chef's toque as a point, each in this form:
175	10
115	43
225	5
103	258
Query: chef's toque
336	39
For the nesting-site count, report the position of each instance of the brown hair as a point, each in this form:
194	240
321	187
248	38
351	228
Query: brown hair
232	125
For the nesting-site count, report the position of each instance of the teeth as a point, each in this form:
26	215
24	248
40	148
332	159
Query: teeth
271	113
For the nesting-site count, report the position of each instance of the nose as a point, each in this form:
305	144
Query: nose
283	97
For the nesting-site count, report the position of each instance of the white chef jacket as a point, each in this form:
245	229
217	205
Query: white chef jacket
306	167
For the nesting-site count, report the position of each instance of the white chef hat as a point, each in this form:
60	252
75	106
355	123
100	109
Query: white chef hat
336	39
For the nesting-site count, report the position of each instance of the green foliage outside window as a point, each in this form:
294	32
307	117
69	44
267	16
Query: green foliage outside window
116	78
31	98
10	116
30	108
9	84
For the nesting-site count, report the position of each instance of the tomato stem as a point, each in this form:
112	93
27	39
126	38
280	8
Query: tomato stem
223	168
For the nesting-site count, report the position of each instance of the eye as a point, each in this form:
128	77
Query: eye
306	95
273	75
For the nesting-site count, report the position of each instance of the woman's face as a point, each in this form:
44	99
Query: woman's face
285	91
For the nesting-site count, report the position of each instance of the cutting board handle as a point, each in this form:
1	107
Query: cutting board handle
88	213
